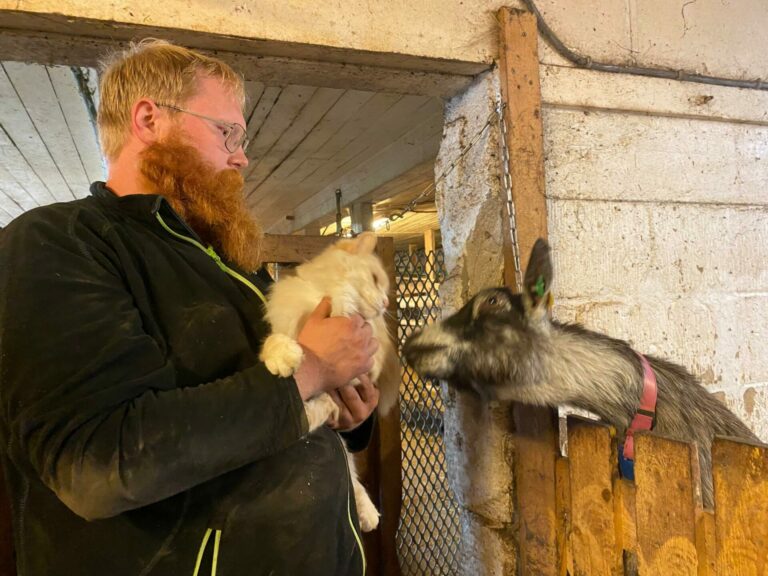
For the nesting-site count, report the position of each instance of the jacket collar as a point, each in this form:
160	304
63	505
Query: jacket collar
142	206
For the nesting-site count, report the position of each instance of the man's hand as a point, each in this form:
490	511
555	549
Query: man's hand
336	350
356	403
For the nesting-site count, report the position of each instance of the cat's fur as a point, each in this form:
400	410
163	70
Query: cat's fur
353	276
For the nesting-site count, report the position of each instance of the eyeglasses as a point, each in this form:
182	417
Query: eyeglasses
234	133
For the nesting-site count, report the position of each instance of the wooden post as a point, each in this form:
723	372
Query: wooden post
592	453
740	471
429	241
430	258
387	441
667	477
536	439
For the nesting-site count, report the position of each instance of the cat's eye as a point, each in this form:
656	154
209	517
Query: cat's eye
375	279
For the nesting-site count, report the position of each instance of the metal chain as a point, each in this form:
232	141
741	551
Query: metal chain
507	183
497	113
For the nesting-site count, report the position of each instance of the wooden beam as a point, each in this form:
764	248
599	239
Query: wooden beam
55	39
388	440
536	439
293	249
521	90
410	150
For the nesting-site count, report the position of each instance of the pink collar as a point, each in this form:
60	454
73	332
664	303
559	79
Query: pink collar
645	414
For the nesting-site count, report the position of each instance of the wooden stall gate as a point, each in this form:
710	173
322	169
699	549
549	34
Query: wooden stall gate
607	525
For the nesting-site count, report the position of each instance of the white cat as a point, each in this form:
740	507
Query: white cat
354	278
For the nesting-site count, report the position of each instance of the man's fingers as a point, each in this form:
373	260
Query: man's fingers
365	382
323	309
351	397
369	394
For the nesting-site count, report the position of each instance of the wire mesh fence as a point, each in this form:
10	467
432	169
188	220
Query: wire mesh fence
428	535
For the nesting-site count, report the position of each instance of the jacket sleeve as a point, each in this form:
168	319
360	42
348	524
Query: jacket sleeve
89	400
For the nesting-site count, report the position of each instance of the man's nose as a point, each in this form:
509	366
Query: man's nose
238	159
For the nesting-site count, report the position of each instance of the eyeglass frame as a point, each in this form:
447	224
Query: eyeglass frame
232	126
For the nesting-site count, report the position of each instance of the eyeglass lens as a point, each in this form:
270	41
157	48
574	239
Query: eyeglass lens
236	138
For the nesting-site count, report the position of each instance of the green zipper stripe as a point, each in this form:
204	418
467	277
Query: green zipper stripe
350	494
212	253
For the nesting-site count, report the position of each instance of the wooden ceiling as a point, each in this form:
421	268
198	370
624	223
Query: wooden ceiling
48	146
306	142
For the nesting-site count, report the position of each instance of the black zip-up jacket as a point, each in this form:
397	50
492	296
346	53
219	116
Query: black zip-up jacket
141	434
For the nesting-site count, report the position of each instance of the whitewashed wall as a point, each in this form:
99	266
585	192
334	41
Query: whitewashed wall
658	215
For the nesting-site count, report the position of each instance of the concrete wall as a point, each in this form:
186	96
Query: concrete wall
477	436
721	37
658	216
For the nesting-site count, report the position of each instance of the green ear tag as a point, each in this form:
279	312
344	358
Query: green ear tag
539	287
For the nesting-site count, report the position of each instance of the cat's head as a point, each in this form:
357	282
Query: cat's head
362	271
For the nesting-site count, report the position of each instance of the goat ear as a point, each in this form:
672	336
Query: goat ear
537	285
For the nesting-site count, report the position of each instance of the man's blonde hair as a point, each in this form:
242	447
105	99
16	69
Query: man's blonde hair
153	69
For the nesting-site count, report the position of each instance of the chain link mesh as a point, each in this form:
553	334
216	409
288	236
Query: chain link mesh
428	535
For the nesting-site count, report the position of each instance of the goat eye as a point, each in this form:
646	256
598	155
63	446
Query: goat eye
492	301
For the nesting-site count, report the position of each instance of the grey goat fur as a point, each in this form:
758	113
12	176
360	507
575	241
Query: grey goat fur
504	346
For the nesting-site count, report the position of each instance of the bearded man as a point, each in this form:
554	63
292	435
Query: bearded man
141	435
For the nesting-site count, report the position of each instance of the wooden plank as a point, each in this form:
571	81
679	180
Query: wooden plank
593	458
282	114
302	125
706	542
293	249
535	464
370	135
14	198
287	173
410	150
521	90
253	92
260	112
354	69
35	90
298	184
388	441
5	215
666	474
624	498
740	473
23	152
563	504
536	453
81	125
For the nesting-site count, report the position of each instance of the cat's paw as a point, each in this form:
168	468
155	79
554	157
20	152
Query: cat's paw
366	511
281	354
321	409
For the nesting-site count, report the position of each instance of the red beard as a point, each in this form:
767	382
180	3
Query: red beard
210	201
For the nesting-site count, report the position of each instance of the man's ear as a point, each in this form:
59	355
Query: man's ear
147	121
537	286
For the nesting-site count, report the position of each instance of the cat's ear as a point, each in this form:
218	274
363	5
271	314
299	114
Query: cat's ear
366	242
